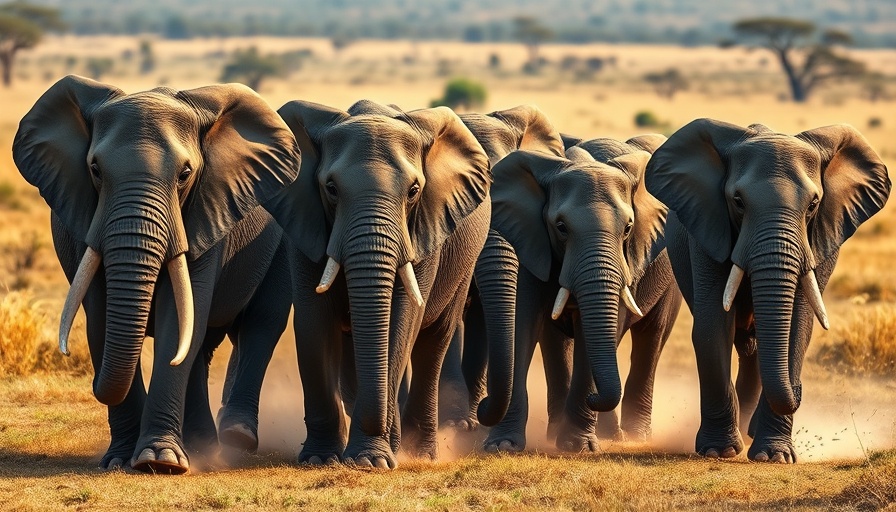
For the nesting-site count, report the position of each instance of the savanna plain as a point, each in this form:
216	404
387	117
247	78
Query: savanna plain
53	432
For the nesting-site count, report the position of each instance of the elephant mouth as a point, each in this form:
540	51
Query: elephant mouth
808	282
561	303
405	272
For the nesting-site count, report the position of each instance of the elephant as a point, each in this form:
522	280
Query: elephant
463	381
581	226
775	208
156	220
400	200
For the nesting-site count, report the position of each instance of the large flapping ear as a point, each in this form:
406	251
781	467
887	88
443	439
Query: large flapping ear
51	145
299	208
519	196
249	155
533	130
649	142
456	169
570	140
688	174
855	183
646	240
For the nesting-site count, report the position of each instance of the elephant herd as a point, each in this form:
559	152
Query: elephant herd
425	254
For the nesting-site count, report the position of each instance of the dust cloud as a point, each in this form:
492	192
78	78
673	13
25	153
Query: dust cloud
840	417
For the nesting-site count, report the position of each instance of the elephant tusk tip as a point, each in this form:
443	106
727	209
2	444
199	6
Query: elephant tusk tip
825	324
321	288
176	361
555	315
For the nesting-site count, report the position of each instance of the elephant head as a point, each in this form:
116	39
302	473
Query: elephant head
145	180
379	191
772	206
591	223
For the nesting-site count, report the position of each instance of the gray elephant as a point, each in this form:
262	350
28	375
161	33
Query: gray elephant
581	226
155	220
774	208
400	202
462	386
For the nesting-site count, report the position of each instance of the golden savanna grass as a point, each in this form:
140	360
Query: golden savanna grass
52	430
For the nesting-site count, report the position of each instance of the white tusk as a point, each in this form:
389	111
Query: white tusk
86	270
734	279
629	300
410	283
329	275
183	299
813	295
560	303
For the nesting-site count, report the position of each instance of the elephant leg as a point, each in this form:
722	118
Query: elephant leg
576	430
713	336
199	432
453	400
475	359
558	358
124	418
348	376
260	327
748	383
649	336
419	419
160	448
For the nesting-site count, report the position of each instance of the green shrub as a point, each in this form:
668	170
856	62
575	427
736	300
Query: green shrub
461	93
646	119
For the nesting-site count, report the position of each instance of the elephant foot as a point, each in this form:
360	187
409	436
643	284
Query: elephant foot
507	442
370	452
575	439
317	452
239	436
161	457
462	423
609	432
773	453
637	435
117	456
719	442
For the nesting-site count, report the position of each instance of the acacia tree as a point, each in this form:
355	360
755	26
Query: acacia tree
250	67
21	26
667	83
532	34
787	38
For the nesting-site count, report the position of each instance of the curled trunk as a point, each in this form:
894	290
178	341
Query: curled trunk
598	300
496	276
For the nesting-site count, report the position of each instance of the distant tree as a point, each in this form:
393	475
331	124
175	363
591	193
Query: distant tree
529	31
22	26
667	83
494	61
874	87
147	58
786	37
176	27
461	93
250	67
474	34
99	66
340	43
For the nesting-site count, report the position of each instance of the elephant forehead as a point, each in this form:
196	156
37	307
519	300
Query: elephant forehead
374	137
593	183
150	115
779	155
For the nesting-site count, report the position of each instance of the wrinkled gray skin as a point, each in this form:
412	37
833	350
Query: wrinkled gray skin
465	376
778	207
584	223
379	189
141	179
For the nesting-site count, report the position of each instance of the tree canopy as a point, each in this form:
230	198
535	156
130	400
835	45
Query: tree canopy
22	25
787	37
250	67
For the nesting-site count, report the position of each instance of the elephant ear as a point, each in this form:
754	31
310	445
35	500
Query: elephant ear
249	155
456	169
533	130
604	149
51	145
649	142
646	240
687	173
519	197
855	183
299	208
570	140
362	107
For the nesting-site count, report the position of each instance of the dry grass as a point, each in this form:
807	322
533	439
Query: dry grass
863	343
28	339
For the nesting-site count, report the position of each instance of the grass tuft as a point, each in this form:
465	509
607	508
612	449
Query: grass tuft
863	342
875	488
28	343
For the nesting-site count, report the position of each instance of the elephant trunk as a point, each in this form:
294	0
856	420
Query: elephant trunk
773	278
497	270
372	257
598	296
133	253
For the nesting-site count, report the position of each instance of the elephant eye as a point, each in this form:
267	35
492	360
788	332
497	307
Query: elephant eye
814	204
184	175
561	228
628	228
414	191
331	189
95	171
738	201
